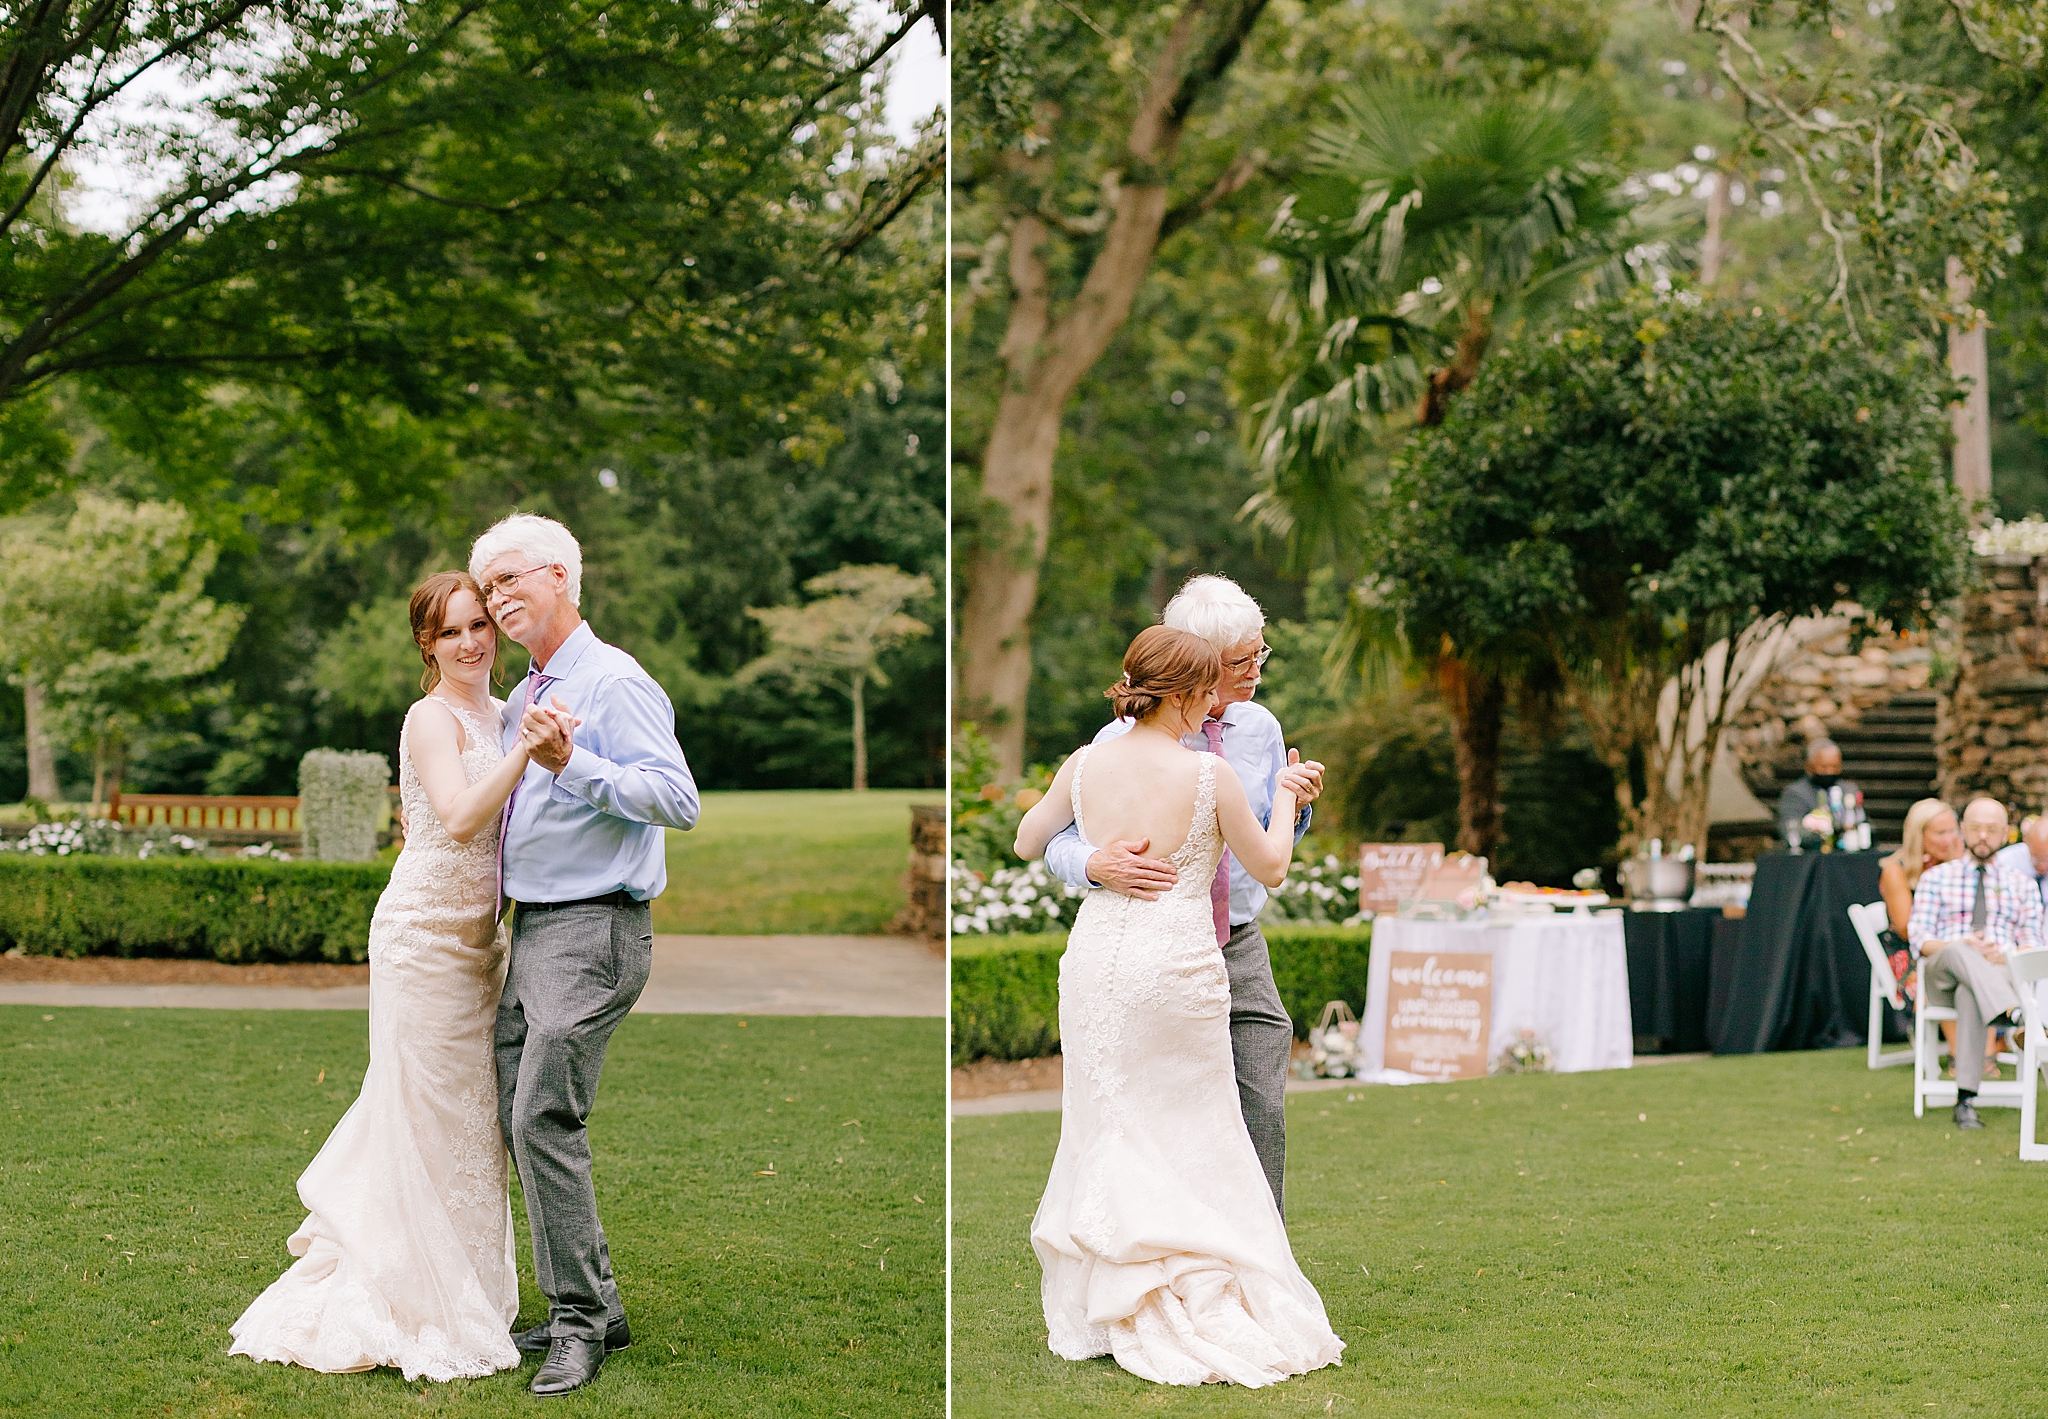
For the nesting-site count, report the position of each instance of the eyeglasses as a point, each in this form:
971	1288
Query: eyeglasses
502	585
1265	654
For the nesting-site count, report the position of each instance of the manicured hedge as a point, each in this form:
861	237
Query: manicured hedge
189	907
1006	990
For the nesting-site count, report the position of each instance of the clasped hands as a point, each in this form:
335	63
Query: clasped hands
1122	866
1984	946
547	734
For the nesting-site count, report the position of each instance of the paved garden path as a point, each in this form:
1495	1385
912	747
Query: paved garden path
693	975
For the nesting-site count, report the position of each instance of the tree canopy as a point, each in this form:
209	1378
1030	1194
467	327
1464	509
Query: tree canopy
496	216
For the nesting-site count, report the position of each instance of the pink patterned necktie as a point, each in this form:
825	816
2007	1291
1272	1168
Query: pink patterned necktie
505	817
1219	889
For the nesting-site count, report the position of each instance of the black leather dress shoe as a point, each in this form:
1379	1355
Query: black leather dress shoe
571	1364
617	1336
1966	1115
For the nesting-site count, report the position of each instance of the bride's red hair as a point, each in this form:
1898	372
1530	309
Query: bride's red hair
1160	664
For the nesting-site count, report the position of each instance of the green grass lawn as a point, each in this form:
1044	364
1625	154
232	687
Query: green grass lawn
810	863
146	1190
1771	1235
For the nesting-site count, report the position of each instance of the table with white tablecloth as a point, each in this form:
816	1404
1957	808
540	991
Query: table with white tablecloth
1563	978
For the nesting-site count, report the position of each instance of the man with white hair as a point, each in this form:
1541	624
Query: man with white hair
1250	740
582	856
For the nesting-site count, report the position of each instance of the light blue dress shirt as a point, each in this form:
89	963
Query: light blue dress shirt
1255	748
597	826
2015	859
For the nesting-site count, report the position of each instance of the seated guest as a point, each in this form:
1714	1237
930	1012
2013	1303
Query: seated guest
1932	837
1803	795
1966	915
2028	857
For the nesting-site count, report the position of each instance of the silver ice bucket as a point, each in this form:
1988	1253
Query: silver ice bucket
1657	884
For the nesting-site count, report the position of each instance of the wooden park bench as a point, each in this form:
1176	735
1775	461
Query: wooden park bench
235	821
232	821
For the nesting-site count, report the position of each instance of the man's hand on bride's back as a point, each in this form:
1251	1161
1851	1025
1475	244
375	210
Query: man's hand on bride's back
1121	868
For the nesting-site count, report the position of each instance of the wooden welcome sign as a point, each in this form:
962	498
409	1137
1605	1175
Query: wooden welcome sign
1392	873
1439	1013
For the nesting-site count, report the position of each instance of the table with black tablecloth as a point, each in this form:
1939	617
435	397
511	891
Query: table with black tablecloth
1795	976
1670	970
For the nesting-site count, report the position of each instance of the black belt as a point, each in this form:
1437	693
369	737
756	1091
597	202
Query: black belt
619	898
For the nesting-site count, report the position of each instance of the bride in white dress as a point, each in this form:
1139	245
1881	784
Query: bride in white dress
405	1256
1158	1236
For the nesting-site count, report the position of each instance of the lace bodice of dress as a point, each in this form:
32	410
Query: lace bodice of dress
1196	858
483	750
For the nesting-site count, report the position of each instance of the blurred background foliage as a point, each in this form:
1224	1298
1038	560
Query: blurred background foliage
1158	461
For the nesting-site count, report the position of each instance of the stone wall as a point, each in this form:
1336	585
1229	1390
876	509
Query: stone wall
1993	735
924	883
1822	689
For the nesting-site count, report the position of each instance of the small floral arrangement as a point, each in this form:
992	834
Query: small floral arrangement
1010	900
2026	538
1525	1054
265	852
1334	1048
1321	889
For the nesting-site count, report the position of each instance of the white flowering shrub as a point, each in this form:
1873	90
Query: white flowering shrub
1011	900
2026	538
265	852
1322	889
342	803
101	837
159	841
71	837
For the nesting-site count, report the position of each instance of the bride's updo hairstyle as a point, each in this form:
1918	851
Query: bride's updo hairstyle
1160	664
429	609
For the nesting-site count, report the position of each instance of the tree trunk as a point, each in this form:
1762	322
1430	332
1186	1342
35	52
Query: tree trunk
1970	419
1464	365
860	739
109	762
1478	703
1712	249
42	759
1044	360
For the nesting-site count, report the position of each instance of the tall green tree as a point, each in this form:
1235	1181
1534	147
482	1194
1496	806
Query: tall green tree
105	621
1428	218
840	637
1087	138
1650	493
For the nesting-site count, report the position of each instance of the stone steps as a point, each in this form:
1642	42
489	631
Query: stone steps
1890	755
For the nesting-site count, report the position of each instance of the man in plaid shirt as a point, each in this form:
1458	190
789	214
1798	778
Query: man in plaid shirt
1966	915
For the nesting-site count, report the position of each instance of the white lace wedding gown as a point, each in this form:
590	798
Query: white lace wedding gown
1158	1234
405	1257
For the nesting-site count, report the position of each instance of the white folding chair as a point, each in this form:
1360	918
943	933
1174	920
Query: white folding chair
2029	969
1928	1085
1884	987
